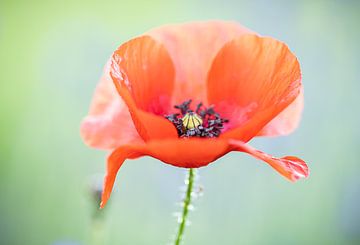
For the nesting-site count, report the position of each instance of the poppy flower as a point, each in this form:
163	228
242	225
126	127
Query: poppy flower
188	94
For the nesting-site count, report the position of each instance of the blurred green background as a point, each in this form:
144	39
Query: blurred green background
52	54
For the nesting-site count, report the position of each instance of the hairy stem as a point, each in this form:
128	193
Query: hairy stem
186	204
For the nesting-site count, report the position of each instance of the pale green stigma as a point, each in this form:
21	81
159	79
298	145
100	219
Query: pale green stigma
191	120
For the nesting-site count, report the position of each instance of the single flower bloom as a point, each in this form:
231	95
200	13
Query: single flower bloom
190	93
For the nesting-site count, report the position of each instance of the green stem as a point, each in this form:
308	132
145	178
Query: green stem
187	201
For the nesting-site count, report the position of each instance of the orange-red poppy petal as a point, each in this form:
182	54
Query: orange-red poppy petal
186	153
287	121
114	162
108	124
292	168
252	79
143	74
192	47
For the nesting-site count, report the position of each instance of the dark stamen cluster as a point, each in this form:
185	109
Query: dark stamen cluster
211	126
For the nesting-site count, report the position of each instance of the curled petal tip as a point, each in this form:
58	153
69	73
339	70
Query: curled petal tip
104	200
292	168
102	205
296	167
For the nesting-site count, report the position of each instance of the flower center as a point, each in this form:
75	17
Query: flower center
203	122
